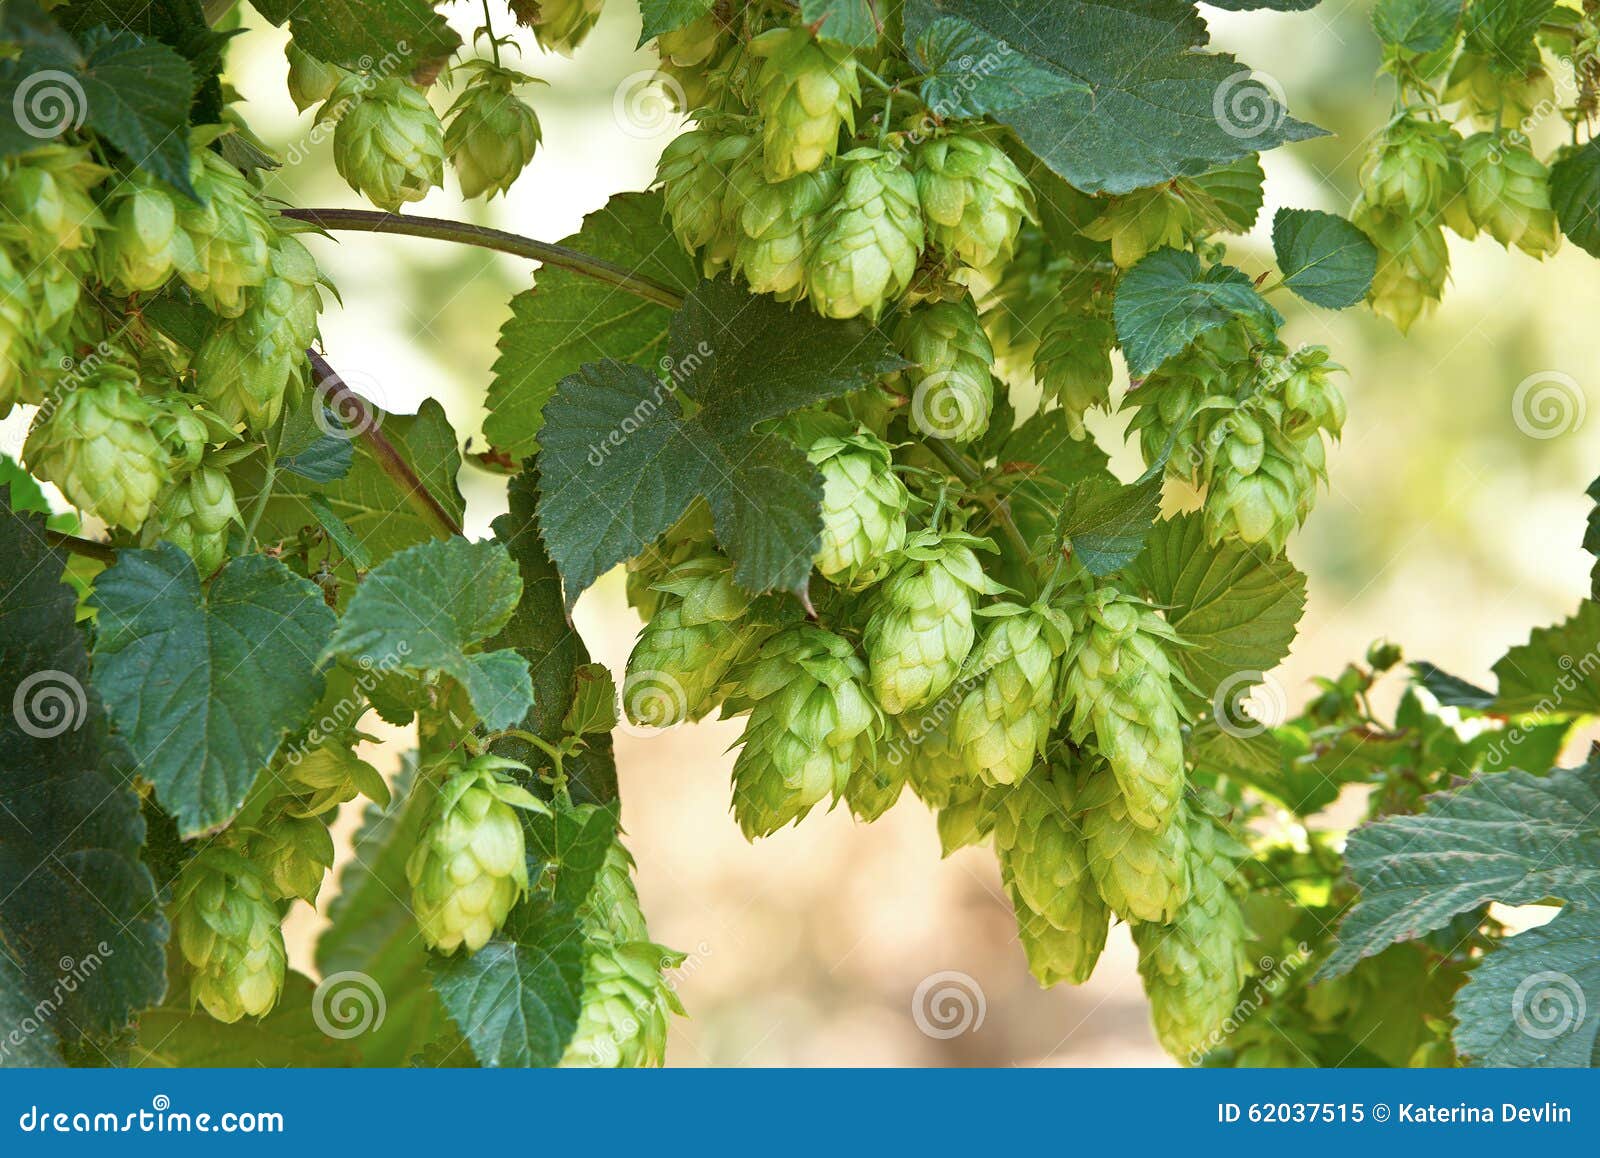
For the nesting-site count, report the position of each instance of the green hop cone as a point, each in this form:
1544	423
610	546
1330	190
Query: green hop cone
561	25
1194	966
973	196
695	173
953	394
195	515
691	535
869	241
226	925
627	1006
1262	482
806	91
1413	167
184	430
95	443
311	81
1119	680
693	44
1413	263
144	244
389	144
1139	223
1045	866
294	854
1508	194
492	135
1006	716
18	384
934	768
921	627
699	629
468	868
326	775
229	232
863	508
969	816
1314	400
812	724
1073	364
1142	875
874	788
777	226
46	206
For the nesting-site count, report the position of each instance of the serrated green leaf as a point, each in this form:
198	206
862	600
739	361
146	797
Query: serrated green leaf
180	1037
1228	198
343	539
965	75
1575	194
1535	999
571	844
1259	5
388	36
629	461
1165	111
203	686
658	16
321	453
82	936
516	1000
1591	538
1050	460
1511	837
1234	606
1506	34
1416	25
179	24
1557	670
24	493
855	23
568	319
1167	300
594	701
1451	691
1323	258
1105	524
423	609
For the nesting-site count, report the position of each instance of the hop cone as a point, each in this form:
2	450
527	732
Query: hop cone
681	658
468	868
1508	195
195	515
1142	875
294	854
1044	864
812	724
144	244
226	925
96	444
954	389
695	173
1262	483
325	776
806	91
1193	967
973	196
777	227
1073	364
184	430
692	44
1005	718
867	246
229	232
562	25
933	764
1413	263
969	816
921	626
311	81
1314	401
1413	167
45	196
1119	680
17	382
389	145
1142	222
873	789
691	535
863	508
492	135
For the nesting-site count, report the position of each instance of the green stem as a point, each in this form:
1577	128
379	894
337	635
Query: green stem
488	26
376	221
88	548
259	507
968	474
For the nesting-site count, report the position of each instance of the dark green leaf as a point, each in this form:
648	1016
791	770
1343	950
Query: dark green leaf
1416	25
658	16
24	494
1557	670
1324	258
568	319
81	934
1144	115
1451	691
203	687
594	702
1167	300
180	1037
1591	538
1051	461
179	24
422	610
629	461
1535	1000
1105	524
572	844
964	74
1575	194
1505	33
382	36
343	539
856	23
1256	5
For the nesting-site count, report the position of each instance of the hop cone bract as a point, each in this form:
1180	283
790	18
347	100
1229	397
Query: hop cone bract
867	247
806	91
1007	715
1508	194
973	196
226	925
952	388
95	443
195	515
863	508
389	144
562	25
777	227
229	232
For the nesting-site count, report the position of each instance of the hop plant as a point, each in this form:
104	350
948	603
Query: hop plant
226	925
1194	966
17	382
46	195
1073	363
1119	679
311	81
1141	875
1262	482
699	629
695	172
326	775
921	627
389	144
973	196
806	91
1139	223
468	868
1508	195
1004	720
1314	401
294	854
812	724
863	508
229	231
562	25
143	245
777	227
96	444
1045	866
954	389
867	246
1413	264
1414	167
195	514
492	134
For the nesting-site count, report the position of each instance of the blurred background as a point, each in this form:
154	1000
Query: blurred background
1448	528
